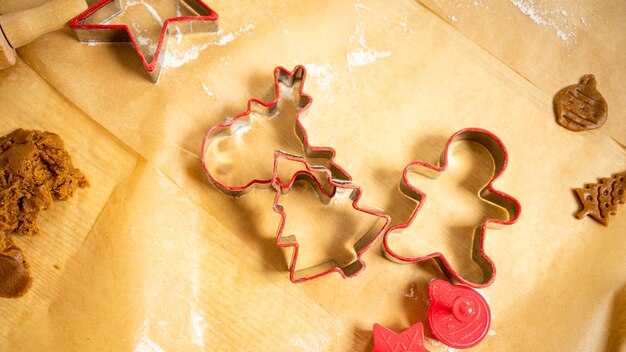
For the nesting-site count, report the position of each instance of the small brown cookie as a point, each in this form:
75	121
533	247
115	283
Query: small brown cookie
600	200
580	107
15	277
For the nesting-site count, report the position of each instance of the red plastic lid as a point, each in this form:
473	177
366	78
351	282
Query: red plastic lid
458	316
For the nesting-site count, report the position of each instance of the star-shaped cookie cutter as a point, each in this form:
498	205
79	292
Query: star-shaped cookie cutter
268	109
487	193
346	189
105	10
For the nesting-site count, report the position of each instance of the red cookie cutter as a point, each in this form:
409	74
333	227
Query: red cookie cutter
495	146
105	10
458	316
345	187
410	340
289	78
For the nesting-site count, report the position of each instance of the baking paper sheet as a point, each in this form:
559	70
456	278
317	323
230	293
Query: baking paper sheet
164	261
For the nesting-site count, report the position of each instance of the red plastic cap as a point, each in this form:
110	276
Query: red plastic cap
458	316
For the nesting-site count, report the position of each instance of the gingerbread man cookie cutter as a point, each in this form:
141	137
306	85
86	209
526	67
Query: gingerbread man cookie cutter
487	193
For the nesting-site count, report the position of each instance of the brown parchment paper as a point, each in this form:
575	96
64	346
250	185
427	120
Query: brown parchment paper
169	256
551	43
139	266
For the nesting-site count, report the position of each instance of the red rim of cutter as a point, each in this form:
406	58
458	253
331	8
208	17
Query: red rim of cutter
360	246
289	78
98	32
488	193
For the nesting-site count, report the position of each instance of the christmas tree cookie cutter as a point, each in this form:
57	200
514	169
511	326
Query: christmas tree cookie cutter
92	26
340	188
267	109
487	193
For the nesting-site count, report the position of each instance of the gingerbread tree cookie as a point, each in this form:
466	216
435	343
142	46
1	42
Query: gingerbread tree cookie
599	200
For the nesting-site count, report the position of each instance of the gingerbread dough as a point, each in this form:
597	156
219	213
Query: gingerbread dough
34	170
15	278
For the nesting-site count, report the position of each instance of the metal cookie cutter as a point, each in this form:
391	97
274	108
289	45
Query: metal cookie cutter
341	189
98	30
268	110
487	193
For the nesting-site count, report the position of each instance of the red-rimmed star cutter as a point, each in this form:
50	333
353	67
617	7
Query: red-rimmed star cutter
92	26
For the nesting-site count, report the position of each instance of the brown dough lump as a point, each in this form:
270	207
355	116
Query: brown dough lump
34	170
15	278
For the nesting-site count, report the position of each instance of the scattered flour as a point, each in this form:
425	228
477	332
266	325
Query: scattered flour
240	127
434	342
404	24
467	4
453	18
560	20
231	36
141	41
361	6
437	343
287	93
207	90
147	345
491	333
148	7
312	342
323	74
146	42
177	57
363	55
